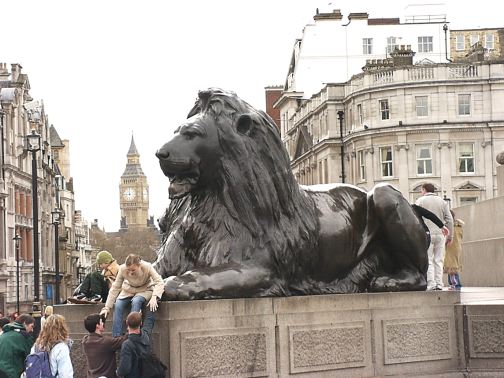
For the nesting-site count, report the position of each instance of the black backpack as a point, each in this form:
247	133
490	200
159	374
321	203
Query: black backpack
150	366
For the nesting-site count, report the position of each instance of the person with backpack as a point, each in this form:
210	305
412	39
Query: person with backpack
50	355
15	344
100	350
136	358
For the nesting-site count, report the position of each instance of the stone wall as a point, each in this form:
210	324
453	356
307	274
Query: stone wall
483	243
352	335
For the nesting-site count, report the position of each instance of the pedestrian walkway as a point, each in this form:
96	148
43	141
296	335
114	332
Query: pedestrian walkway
482	295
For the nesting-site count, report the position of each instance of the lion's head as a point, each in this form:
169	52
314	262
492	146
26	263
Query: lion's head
231	153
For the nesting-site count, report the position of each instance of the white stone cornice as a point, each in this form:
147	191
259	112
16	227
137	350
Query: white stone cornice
444	144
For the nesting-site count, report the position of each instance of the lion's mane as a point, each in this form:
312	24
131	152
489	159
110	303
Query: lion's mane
258	206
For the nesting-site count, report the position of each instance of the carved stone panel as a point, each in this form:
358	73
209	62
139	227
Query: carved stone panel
327	347
239	352
486	336
416	340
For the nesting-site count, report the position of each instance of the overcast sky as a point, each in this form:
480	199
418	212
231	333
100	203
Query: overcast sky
108	68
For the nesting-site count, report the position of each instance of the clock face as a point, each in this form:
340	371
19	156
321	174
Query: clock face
145	195
129	194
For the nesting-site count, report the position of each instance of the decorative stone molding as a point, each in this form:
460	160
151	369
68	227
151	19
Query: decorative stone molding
417	340
500	158
231	352
486	143
398	147
327	347
444	144
369	150
486	336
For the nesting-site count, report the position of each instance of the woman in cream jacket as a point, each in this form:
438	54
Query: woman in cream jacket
137	282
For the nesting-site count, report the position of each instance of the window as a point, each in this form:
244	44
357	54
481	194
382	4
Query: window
424	160
464	201
367	46
362	165
386	161
424	44
459	43
421	106
384	109
466	157
360	117
391	44
474	39
464	104
489	41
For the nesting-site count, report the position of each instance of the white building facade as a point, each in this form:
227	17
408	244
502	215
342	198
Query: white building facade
403	125
332	49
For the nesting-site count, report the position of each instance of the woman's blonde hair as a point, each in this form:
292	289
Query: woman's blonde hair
132	259
48	311
55	330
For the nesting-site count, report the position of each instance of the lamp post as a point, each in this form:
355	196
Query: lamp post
33	145
56	216
17	239
340	118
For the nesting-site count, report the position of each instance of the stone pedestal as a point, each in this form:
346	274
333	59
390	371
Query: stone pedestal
500	180
354	335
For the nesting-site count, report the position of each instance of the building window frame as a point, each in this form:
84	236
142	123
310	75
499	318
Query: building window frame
361	161
474	39
466	158
387	162
464	104
489	41
391	44
424	161
384	109
460	42
367	46
422	106
360	116
425	44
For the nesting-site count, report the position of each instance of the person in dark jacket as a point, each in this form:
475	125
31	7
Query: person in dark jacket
100	349
138	344
15	344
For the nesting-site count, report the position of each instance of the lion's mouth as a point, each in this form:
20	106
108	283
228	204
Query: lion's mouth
181	186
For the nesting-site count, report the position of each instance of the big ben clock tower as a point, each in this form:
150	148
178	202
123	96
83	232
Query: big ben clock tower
133	193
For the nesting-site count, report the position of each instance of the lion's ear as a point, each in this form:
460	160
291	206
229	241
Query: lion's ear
245	124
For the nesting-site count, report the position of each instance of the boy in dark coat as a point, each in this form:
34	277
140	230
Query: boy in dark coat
138	343
100	349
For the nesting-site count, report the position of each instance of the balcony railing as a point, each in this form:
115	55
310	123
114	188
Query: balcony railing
435	72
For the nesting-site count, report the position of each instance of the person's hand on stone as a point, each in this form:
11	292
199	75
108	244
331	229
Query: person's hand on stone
153	304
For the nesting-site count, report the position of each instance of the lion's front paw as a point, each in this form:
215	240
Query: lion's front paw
176	289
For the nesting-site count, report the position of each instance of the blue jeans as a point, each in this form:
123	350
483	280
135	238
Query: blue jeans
120	304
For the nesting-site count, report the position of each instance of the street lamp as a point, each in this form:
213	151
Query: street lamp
33	145
56	217
342	152
17	239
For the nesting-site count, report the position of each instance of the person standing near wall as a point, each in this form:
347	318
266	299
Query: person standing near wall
452	264
436	251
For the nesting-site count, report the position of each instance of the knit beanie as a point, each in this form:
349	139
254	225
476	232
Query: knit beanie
104	257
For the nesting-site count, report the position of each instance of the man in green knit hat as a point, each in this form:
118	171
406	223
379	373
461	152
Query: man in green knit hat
95	286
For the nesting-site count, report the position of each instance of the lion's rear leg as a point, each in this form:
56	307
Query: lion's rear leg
403	239
404	280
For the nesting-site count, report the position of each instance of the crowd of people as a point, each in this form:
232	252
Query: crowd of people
134	283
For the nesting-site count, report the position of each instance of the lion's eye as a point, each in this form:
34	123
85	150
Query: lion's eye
189	135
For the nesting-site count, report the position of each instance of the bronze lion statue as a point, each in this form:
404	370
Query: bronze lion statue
239	225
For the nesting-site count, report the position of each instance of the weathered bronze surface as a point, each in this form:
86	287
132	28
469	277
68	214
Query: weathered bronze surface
239	225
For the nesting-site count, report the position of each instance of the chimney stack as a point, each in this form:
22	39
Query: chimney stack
15	71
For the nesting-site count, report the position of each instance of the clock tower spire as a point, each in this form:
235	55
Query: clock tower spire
133	192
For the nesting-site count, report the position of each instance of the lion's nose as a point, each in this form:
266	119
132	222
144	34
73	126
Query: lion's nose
162	154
